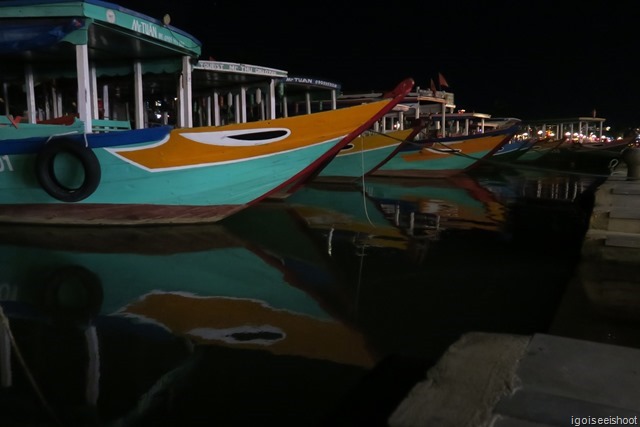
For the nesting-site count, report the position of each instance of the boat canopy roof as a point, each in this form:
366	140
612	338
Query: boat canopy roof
464	116
567	121
47	31
220	75
309	83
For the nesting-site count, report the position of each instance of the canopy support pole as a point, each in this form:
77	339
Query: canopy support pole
105	102
94	91
186	109
243	104
216	108
31	95
272	99
208	98
138	95
236	103
5	95
84	87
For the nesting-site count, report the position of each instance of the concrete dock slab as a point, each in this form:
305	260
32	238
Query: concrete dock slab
519	381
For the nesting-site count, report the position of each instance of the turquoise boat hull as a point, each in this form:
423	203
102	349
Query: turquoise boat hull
235	183
357	164
444	157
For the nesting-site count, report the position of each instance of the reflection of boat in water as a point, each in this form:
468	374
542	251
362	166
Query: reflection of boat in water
425	208
539	185
162	288
153	282
346	211
396	216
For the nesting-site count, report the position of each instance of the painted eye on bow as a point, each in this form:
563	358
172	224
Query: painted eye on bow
258	136
239	138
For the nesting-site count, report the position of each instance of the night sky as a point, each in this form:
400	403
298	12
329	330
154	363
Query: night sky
525	59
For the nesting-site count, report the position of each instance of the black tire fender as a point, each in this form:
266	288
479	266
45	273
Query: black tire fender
45	171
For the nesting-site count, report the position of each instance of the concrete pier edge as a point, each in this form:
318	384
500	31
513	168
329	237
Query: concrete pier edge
502	380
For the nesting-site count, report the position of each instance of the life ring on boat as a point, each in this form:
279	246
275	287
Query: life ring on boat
73	293
46	174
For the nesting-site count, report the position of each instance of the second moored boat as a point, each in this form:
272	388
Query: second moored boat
441	157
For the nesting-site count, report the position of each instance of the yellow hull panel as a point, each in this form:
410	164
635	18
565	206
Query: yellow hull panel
230	143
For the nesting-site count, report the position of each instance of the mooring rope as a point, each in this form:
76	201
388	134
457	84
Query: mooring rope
364	191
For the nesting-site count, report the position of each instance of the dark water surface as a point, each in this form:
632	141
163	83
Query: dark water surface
323	309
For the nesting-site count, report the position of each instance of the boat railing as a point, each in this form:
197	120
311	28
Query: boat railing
107	125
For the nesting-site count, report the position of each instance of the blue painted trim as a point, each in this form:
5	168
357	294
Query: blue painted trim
95	140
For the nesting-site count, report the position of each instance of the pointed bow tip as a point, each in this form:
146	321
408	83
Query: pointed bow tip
403	88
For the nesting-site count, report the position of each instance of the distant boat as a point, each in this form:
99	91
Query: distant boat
364	154
70	174
597	157
443	157
513	149
540	149
581	144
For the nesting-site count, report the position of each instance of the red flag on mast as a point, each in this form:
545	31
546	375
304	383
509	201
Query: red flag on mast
442	81
433	87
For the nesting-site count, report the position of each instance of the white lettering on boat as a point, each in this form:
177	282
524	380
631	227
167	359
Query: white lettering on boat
239	68
152	30
5	163
145	28
313	82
